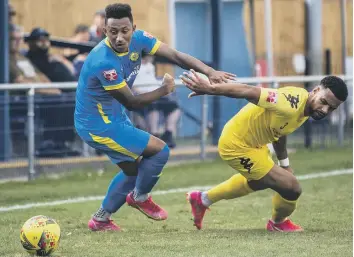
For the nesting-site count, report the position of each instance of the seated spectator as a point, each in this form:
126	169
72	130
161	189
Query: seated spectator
56	113
21	68
22	71
96	30
56	67
149	116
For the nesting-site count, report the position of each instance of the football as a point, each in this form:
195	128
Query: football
40	235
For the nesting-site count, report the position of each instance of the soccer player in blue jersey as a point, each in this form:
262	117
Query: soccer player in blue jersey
102	96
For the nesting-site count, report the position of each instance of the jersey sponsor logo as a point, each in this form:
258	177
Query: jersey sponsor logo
134	56
133	73
247	164
293	100
272	97
147	34
110	75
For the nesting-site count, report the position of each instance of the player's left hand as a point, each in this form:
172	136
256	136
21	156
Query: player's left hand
216	77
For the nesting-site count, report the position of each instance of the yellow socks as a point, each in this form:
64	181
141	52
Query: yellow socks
282	208
236	186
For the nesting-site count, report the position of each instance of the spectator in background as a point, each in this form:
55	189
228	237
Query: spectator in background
150	116
56	112
12	13
56	67
96	30
21	68
81	35
22	71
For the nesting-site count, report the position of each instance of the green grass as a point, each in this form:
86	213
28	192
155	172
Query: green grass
232	228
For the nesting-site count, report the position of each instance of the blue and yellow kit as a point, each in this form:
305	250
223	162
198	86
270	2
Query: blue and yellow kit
100	120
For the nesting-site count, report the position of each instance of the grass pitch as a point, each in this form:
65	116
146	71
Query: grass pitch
231	228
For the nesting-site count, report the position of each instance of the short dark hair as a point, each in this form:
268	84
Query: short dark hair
81	28
337	86
119	11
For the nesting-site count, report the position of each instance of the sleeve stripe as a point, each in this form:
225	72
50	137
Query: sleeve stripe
114	87
156	46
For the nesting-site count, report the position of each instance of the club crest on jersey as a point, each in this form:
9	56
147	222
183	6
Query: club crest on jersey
110	75
134	56
147	34
272	97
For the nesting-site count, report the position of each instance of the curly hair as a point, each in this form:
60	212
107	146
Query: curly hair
119	11
337	86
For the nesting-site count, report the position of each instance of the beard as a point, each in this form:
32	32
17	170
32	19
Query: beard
317	115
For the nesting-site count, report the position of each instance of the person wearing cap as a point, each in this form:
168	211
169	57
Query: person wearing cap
21	68
55	67
58	69
22	71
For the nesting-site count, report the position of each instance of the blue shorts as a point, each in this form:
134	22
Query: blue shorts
119	141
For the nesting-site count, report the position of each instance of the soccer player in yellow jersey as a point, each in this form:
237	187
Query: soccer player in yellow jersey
268	118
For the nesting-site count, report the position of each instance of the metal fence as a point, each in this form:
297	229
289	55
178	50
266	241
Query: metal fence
42	126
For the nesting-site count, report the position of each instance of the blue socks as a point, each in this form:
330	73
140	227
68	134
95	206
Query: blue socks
149	173
118	190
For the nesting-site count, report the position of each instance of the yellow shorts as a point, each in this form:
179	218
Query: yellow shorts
252	163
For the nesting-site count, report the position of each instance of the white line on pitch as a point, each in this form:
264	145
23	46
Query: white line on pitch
161	192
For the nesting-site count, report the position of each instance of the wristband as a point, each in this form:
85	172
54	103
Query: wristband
284	162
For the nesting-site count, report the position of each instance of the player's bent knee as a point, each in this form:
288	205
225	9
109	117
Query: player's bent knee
155	145
165	152
163	155
292	193
297	190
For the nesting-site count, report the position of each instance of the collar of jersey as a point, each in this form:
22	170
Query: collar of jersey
109	45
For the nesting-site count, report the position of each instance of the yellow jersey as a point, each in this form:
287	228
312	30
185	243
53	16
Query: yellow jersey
279	112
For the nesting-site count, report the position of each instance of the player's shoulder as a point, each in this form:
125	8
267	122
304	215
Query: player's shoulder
101	51
292	98
142	35
102	56
293	90
298	93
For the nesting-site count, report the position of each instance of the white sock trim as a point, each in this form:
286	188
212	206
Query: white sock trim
102	215
139	197
205	200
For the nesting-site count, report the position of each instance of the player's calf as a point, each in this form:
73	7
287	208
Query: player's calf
149	172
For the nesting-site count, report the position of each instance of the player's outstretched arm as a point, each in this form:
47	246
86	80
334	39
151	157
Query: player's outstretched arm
187	62
133	102
200	86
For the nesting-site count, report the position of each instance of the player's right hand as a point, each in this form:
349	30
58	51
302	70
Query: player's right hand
168	83
198	85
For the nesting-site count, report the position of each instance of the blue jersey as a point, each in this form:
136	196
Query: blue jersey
105	70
